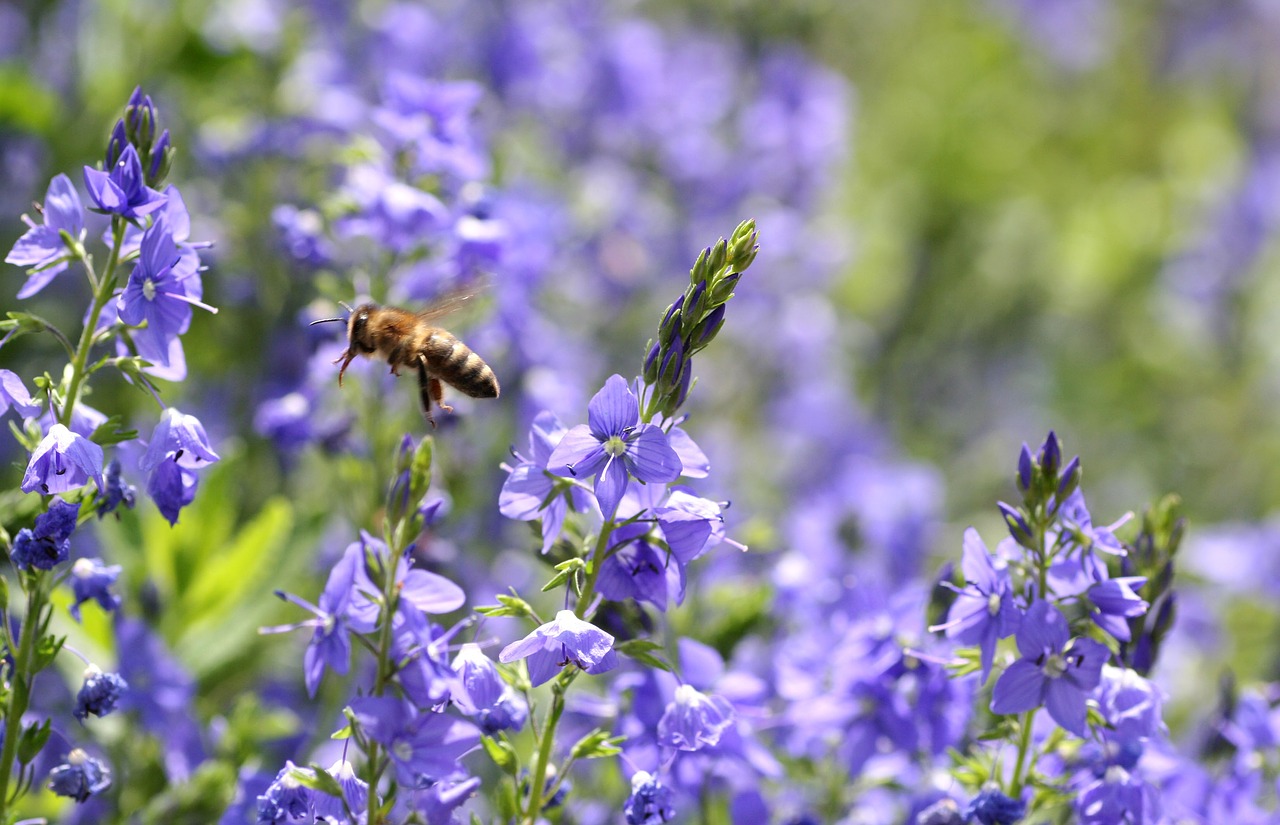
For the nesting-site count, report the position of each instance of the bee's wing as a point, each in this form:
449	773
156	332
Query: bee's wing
452	300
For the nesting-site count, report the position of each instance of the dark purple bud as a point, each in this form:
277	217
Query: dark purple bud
1018	527
706	331
684	384
115	146
1026	469
1050	456
1069	480
140	120
158	162
672	310
651	364
697	300
676	355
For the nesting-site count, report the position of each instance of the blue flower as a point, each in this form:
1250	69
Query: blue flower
355	795
330	645
79	777
286	799
63	461
117	492
634	568
1130	704
180	438
13	393
161	290
1114	601
650	801
1055	670
526	494
99	693
42	248
423	747
614	446
984	611
162	693
567	640
90	579
942	812
485	696
694	720
991	807
123	190
49	544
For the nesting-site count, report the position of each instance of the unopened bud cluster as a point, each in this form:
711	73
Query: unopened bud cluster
693	320
138	127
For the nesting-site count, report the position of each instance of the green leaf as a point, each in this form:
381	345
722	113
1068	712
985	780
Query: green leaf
33	738
511	605
641	651
565	569
345	733
317	779
109	432
46	651
597	744
502	754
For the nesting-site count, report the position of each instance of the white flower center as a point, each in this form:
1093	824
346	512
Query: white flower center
1055	666
92	672
403	750
82	569
77	757
615	446
993	604
149	289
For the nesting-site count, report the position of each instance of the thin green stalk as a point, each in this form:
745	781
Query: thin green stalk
538	778
18	698
102	294
1024	745
593	573
383	675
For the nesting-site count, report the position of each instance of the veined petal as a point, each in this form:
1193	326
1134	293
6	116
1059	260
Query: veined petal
103	191
40	280
431	593
527	646
1043	629
612	409
693	460
523	492
578	449
650	457
1020	688
611	483
976	563
544	435
543	665
62	209
1066	704
38	245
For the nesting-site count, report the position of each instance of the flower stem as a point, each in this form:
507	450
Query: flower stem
538	778
1024	745
102	294
19	690
593	572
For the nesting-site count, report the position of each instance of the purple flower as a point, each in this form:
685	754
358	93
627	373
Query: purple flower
1116	797
172	487
650	801
162	288
694	720
942	812
984	611
13	393
355	794
1114	602
79	777
180	438
286	799
692	525
99	693
991	807
122	191
302	234
439	802
1130	704
423	746
485	696
1075	515
330	645
427	591
49	544
565	640
42	248
615	446
162	693
90	579
63	461
634	568
117	491
1055	670
526	494
433	119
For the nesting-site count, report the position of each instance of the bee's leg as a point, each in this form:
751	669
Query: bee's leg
346	358
394	359
437	395
425	391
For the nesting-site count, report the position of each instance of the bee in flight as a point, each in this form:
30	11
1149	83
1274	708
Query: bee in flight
409	340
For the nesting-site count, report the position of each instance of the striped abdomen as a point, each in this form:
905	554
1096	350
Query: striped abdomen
454	363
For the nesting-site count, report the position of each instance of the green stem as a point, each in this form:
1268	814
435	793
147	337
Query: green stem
593	572
1024	745
19	696
101	295
538	778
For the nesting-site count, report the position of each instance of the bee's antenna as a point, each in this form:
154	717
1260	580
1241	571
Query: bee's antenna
325	321
345	306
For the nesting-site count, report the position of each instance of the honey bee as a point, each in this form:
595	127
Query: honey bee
408	340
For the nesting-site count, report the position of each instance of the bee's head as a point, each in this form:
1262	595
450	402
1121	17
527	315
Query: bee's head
358	327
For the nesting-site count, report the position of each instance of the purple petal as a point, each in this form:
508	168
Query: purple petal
612	409
523	493
607	662
1089	658
1020	688
578	449
692	459
1043	630
103	191
527	646
543	665
38	245
976	564
1066	704
431	593
649	456
13	393
40	280
62	209
611	483
544	435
